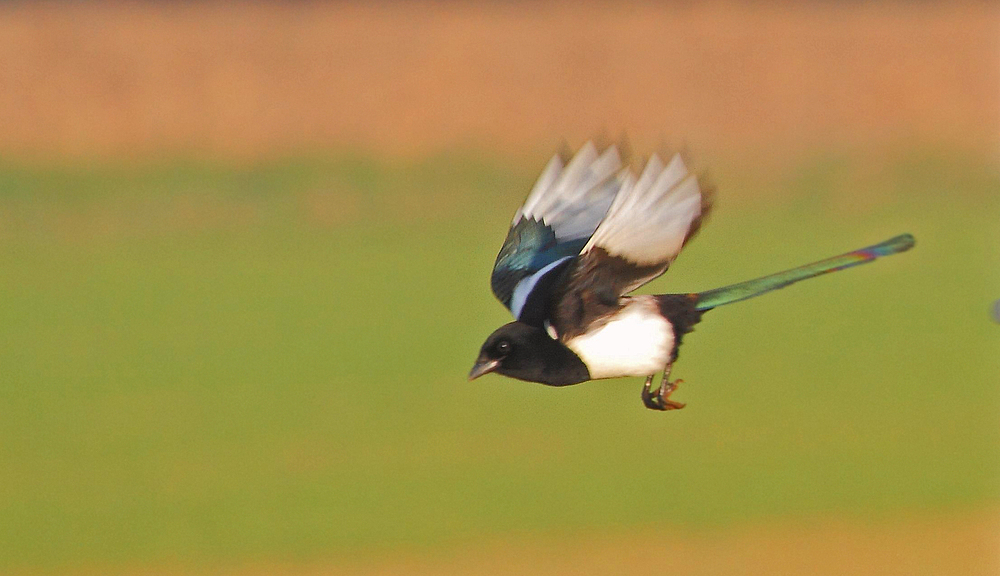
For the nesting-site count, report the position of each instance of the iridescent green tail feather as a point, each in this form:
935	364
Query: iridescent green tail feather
751	288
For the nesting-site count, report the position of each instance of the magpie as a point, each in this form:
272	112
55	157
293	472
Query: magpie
589	233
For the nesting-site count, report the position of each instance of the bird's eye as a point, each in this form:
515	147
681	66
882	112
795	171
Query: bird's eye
503	346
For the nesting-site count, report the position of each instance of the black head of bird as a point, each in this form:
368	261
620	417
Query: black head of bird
526	352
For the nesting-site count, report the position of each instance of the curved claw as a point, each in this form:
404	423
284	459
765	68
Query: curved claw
661	400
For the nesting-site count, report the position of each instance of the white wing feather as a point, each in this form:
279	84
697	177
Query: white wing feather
574	199
651	216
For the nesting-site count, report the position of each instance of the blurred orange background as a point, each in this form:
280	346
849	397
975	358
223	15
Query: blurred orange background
410	78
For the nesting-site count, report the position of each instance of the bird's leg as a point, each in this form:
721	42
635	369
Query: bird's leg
661	401
647	398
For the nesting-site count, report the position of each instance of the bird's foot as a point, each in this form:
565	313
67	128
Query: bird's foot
661	399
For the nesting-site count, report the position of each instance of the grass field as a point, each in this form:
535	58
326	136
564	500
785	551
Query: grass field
208	367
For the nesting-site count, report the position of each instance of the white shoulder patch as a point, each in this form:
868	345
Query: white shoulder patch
637	341
523	288
553	333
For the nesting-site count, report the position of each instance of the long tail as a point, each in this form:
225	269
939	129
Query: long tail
750	288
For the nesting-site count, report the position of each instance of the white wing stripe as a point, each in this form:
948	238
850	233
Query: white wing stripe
548	202
574	199
523	288
651	216
673	173
545	181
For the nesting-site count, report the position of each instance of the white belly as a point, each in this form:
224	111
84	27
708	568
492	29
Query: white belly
637	342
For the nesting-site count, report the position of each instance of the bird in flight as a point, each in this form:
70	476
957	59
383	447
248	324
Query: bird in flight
591	232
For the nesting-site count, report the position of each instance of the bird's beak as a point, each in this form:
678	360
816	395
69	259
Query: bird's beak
483	367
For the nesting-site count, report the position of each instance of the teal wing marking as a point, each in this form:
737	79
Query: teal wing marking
530	246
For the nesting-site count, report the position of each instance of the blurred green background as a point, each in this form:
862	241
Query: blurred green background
221	357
